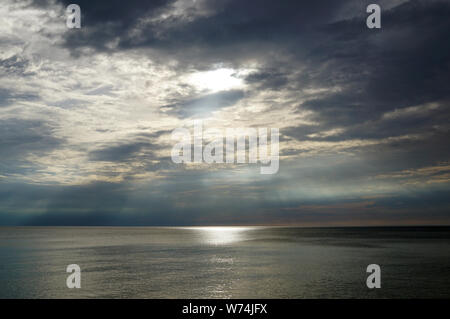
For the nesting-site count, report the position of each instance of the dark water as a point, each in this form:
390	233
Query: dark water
152	262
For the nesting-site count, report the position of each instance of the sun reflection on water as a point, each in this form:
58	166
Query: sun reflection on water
215	235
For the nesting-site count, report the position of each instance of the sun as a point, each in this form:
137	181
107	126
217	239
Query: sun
216	80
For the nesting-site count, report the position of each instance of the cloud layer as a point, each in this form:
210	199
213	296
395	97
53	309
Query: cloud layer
87	114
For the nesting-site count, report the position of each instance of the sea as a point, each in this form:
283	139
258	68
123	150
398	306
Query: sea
224	262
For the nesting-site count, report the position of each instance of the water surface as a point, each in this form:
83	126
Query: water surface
224	262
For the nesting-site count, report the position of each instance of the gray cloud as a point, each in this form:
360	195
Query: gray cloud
20	138
118	153
9	97
204	105
15	64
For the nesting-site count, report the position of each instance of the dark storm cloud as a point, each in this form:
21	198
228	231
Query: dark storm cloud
19	138
238	30
23	136
117	153
140	146
106	21
389	157
204	105
407	153
404	64
233	28
421	122
267	79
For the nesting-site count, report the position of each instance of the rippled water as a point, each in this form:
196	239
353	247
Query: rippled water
224	262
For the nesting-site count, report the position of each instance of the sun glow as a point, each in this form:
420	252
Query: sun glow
221	235
216	80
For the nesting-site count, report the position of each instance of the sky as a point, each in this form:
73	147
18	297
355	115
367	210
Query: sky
86	115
